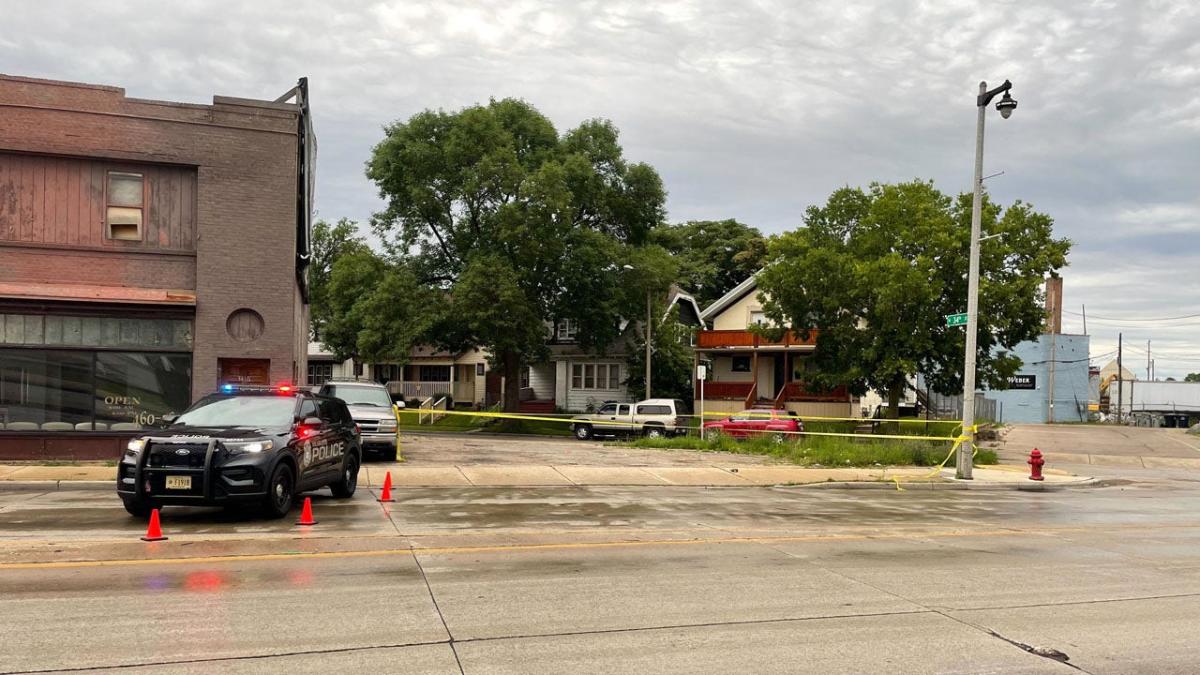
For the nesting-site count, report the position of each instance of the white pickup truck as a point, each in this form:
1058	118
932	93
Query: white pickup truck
653	418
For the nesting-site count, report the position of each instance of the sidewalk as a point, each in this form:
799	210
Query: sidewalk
35	476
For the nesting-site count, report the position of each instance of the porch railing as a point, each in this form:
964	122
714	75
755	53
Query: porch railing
717	339
424	389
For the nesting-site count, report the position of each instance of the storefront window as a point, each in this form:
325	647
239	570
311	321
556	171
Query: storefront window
134	388
72	390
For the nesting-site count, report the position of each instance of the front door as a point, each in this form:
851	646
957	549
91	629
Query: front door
244	371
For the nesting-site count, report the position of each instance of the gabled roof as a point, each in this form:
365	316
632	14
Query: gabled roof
725	301
689	301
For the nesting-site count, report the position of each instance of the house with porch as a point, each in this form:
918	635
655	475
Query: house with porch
576	380
429	373
747	370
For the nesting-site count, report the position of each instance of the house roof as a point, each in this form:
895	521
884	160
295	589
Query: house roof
687	302
736	293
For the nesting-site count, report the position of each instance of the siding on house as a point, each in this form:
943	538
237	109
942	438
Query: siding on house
541	380
577	400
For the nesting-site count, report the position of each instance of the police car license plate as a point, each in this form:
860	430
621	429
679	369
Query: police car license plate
179	482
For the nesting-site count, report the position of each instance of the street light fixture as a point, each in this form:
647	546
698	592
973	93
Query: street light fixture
1006	105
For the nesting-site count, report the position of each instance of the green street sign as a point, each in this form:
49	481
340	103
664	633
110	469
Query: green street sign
956	319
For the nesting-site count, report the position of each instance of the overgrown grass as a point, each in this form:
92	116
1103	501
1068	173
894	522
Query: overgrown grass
825	451
461	422
535	427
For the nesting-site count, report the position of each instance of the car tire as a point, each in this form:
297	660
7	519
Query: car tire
137	507
281	492
344	488
779	438
653	432
583	432
712	433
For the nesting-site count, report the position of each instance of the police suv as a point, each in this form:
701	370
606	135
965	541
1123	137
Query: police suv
243	446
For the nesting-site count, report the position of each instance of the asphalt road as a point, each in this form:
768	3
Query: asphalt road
614	580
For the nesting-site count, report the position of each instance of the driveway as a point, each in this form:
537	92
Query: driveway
463	449
1103	444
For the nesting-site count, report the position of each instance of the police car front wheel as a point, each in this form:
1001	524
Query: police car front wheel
281	490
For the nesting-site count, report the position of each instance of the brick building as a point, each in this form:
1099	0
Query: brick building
149	251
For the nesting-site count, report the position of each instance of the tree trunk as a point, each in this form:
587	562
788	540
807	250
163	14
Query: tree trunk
510	367
895	393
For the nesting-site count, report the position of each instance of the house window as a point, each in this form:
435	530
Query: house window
758	317
596	376
387	372
479	370
319	373
434	373
125	202
566	330
741	364
525	377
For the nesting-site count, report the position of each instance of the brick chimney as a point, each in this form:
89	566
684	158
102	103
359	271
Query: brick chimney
1054	305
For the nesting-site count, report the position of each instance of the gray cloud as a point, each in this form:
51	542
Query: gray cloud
752	110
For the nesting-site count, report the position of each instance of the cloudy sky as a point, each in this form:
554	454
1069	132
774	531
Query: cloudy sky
750	110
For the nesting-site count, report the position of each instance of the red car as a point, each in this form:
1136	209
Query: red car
782	424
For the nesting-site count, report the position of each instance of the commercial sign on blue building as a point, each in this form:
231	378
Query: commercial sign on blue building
1027	397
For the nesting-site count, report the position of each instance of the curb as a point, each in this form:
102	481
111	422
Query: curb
947	485
55	485
67	485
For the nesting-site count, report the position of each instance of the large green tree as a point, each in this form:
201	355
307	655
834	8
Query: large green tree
329	243
1192	377
374	308
713	255
515	225
877	271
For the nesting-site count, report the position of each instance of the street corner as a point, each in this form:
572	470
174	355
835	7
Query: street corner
1015	477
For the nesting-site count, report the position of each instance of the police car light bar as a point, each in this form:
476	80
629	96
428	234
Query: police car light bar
282	388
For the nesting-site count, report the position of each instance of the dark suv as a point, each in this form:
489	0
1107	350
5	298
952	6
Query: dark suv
241	446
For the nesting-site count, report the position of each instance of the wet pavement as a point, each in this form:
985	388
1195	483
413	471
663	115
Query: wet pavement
613	579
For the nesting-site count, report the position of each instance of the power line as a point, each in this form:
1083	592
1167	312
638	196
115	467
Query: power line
1137	319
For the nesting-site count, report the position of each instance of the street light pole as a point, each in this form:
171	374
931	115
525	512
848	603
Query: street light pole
966	451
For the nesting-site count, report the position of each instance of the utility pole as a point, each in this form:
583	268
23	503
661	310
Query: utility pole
1050	386
648	344
1148	375
966	451
1120	368
1085	320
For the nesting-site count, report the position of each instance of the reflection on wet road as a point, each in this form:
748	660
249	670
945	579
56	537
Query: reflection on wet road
617	579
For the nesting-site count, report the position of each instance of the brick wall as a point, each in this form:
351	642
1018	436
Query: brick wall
245	157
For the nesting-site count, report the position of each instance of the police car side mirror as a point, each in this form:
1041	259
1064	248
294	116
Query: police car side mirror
311	422
169	418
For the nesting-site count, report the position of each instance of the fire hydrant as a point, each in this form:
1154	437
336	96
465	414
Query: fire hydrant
1035	465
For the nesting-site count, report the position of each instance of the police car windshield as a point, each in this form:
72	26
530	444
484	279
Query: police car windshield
240	411
353	395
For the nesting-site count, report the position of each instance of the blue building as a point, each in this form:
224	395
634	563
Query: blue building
1058	357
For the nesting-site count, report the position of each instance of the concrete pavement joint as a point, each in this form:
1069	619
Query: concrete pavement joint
219	659
436	607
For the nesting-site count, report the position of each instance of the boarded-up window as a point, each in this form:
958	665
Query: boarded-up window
125	205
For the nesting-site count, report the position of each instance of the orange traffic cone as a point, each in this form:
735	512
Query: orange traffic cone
386	495
154	530
306	517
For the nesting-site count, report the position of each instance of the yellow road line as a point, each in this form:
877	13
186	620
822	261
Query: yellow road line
564	546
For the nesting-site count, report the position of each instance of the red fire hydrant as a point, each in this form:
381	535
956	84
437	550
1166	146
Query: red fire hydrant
1035	465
